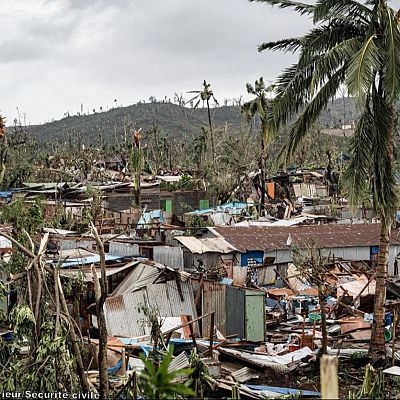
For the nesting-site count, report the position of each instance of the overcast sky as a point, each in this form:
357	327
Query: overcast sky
57	54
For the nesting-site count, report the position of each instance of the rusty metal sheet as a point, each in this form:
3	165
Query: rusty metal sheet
214	301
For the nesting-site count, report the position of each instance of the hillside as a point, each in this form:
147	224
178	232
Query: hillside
171	118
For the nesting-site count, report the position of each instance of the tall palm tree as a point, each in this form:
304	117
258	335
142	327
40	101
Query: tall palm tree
356	44
258	106
206	95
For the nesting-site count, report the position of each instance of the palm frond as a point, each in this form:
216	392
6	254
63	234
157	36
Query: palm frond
296	86
391	43
327	9
357	176
291	93
334	59
325	37
363	68
384	188
302	8
312	112
290	45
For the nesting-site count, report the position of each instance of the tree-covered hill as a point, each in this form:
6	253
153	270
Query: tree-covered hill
171	118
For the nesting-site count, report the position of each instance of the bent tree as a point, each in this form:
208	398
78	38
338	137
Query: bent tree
357	45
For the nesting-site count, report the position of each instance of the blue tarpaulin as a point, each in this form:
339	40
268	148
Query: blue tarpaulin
285	391
147	217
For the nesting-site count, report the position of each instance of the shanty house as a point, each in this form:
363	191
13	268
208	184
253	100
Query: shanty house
262	246
207	252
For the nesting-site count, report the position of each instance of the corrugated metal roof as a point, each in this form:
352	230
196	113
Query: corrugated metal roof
88	260
326	235
62	232
143	274
179	362
75	254
245	374
87	272
124	313
167	298
206	245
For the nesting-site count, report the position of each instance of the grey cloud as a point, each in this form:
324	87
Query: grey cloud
96	4
134	49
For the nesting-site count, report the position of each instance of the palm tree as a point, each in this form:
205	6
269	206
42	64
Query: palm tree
206	95
353	44
258	106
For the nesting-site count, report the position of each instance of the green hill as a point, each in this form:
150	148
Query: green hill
171	118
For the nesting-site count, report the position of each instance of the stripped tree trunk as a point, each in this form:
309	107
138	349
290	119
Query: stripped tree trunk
321	298
377	344
262	180
101	290
212	140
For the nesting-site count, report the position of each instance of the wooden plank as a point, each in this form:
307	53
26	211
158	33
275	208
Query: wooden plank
329	377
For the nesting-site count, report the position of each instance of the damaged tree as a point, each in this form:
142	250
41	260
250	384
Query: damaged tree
137	163
259	107
206	95
101	290
358	45
44	326
312	265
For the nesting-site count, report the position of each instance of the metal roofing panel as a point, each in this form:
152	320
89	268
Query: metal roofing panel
124	315
165	296
143	274
169	255
87	272
214	300
205	245
218	245
191	243
124	249
87	260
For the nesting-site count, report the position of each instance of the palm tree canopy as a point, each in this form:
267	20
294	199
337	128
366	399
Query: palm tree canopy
258	106
205	94
357	45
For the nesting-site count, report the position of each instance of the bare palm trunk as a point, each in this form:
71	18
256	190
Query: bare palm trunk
323	320
377	344
137	189
211	132
263	178
377	349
